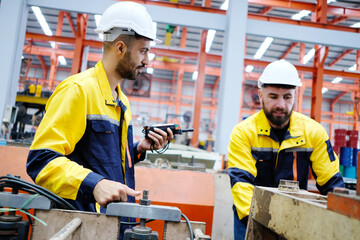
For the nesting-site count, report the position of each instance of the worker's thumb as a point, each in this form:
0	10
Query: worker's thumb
132	192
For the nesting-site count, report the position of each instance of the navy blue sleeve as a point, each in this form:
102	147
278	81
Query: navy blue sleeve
335	181
38	159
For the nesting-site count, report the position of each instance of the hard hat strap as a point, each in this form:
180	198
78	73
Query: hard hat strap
113	33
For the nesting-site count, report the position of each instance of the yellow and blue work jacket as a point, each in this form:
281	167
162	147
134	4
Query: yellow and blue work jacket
84	137
257	159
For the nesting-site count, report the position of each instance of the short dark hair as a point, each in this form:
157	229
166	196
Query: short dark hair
127	39
278	86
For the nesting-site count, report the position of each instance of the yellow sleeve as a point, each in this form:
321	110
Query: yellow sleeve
62	127
242	170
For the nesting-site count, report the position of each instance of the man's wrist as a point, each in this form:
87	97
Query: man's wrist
140	148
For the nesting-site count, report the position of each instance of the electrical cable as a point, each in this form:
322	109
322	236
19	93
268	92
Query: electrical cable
161	151
14	182
189	225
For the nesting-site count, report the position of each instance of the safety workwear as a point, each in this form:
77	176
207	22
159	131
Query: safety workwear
125	17
256	158
280	72
84	137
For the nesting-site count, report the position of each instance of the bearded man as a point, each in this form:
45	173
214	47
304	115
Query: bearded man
83	150
278	143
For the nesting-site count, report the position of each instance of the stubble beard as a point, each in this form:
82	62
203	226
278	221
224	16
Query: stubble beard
278	121
125	67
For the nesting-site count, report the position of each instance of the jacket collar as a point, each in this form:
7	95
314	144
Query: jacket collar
105	86
264	128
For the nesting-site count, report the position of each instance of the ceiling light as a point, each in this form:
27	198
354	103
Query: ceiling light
356	25
209	39
353	68
225	5
52	44
301	14
249	68
324	90
41	19
195	75
150	70
330	1
337	80
62	60
309	56
264	46
151	56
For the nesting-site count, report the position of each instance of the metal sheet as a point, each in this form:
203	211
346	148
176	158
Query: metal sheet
149	212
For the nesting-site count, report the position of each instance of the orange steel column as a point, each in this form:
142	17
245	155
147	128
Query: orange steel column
180	73
316	94
321	11
43	65
53	59
200	81
319	61
172	87
332	104
213	98
79	42
301	90
179	90
357	97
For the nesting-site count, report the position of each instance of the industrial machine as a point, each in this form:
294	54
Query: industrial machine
52	223
292	213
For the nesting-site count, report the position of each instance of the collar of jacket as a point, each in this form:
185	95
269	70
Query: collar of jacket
296	130
105	86
107	94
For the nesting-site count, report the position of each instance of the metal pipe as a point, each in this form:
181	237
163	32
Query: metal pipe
67	230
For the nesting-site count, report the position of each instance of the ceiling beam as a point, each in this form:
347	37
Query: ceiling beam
45	51
170	13
341	56
266	10
290	48
299	33
290	4
256	16
338	19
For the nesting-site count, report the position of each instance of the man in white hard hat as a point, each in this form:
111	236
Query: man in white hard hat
83	150
278	143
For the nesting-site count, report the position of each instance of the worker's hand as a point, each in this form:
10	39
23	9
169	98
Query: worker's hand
158	137
107	191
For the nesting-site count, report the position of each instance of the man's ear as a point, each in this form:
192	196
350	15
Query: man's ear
260	93
120	48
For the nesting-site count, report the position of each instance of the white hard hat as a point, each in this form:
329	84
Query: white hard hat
280	72
124	17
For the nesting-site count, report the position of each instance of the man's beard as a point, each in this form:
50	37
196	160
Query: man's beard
125	67
277	120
